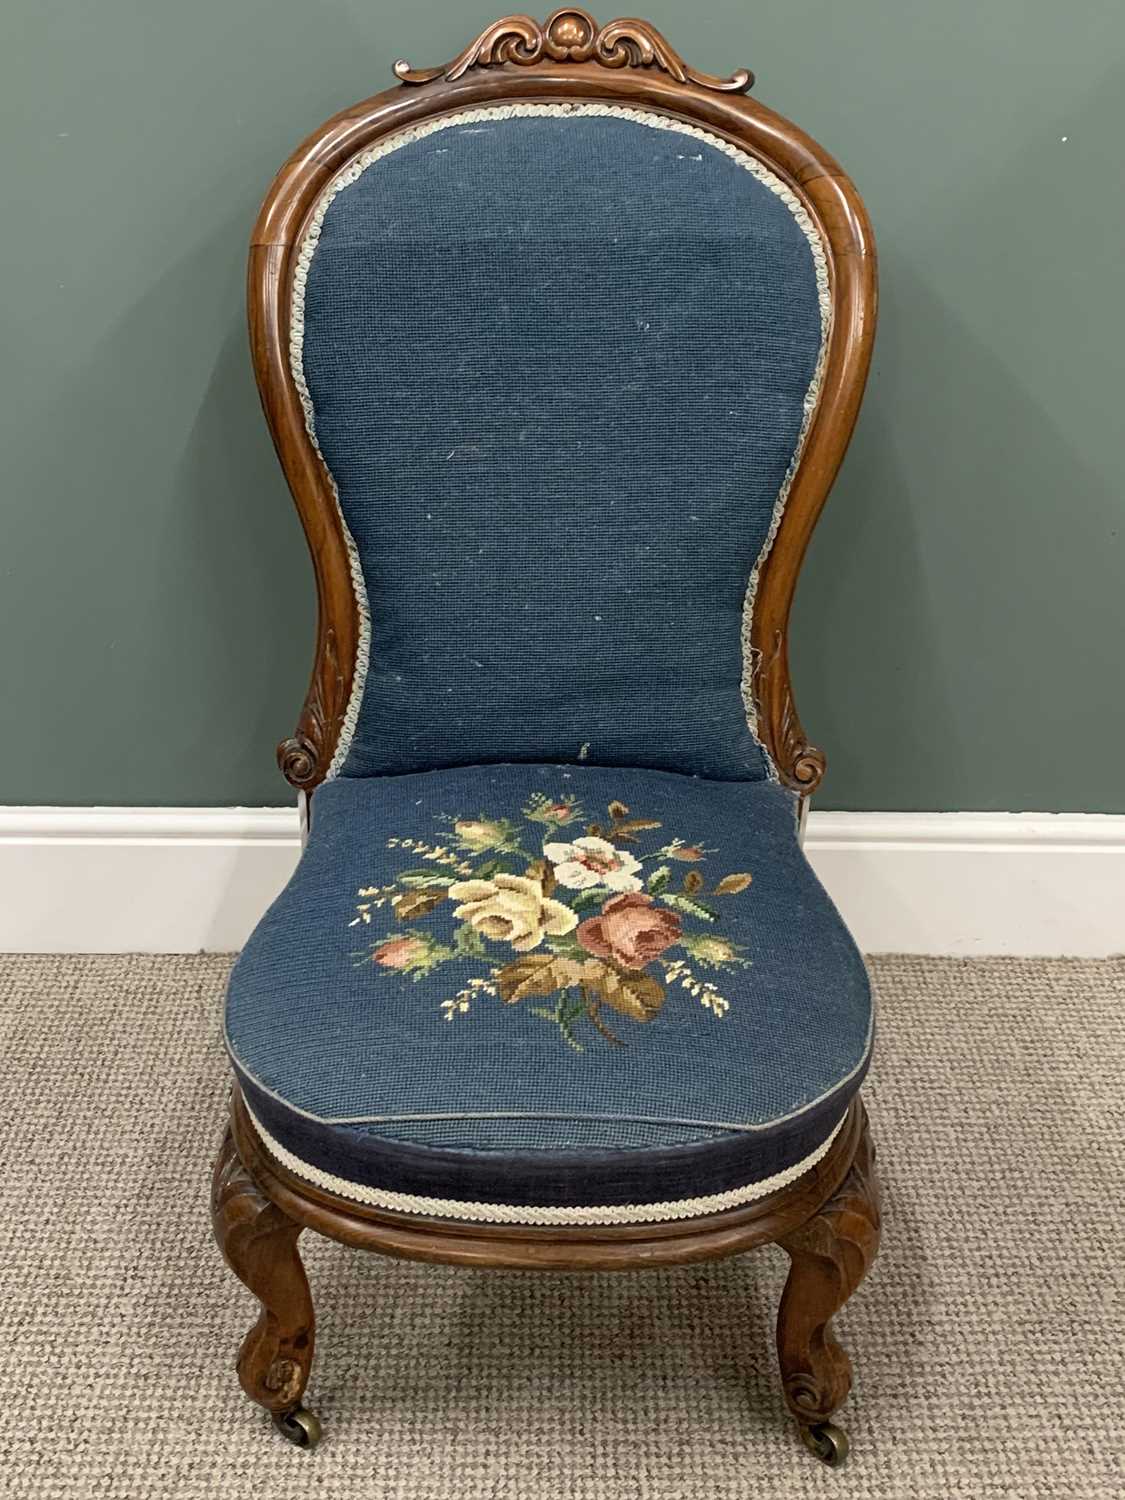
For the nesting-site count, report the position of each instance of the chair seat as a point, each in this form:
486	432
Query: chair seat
550	994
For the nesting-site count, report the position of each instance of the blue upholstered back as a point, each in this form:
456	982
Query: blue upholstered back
557	361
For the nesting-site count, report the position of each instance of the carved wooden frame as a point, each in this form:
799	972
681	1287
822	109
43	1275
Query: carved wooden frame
828	1219
569	56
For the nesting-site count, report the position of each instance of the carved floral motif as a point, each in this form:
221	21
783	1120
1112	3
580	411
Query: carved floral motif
572	35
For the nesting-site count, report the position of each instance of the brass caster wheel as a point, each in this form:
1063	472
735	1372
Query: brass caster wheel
828	1442
300	1426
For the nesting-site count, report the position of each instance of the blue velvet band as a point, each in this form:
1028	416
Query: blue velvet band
361	1157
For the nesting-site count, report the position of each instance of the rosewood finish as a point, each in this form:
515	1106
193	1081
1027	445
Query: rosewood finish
828	1220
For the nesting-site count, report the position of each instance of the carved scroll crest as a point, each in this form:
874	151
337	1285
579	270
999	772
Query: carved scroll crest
572	35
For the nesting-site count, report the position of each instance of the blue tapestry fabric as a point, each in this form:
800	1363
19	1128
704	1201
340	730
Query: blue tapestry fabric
558	364
549	985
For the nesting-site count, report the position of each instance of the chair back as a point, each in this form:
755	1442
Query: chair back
561	346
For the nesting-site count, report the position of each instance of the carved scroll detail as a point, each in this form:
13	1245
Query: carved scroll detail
831	1253
803	764
572	35
304	757
800	765
259	1243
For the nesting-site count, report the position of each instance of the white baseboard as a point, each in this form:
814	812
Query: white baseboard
176	880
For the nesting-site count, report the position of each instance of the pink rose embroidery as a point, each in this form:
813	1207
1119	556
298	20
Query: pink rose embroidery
398	952
631	930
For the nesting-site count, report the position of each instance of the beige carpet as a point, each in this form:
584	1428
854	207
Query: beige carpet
988	1340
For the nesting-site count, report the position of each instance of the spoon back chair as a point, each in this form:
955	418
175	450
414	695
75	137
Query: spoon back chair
561	346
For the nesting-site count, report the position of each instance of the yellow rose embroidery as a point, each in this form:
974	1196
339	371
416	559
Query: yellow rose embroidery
511	909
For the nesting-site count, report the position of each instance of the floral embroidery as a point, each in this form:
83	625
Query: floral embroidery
586	923
511	909
539	808
589	862
631	930
480	834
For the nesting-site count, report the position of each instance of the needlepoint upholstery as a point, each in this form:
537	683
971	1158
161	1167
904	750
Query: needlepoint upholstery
559	360
550	993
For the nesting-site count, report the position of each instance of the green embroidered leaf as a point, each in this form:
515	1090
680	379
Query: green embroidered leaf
426	879
594	896
690	905
636	995
567	944
658	880
466	939
562	1016
535	974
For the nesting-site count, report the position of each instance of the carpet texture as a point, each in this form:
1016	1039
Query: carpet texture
987	1340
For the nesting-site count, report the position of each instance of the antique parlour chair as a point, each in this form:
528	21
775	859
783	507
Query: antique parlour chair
561	346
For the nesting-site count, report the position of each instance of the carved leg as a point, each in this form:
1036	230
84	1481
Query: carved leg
259	1244
830	1254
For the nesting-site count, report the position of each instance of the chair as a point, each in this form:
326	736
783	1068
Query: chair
560	346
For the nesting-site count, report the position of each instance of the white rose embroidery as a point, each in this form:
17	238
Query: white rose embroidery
591	861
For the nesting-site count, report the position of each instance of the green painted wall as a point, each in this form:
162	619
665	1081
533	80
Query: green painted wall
961	619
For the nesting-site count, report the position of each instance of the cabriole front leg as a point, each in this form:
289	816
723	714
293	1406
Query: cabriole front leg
259	1243
830	1255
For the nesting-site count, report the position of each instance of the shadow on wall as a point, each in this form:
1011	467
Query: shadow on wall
954	624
